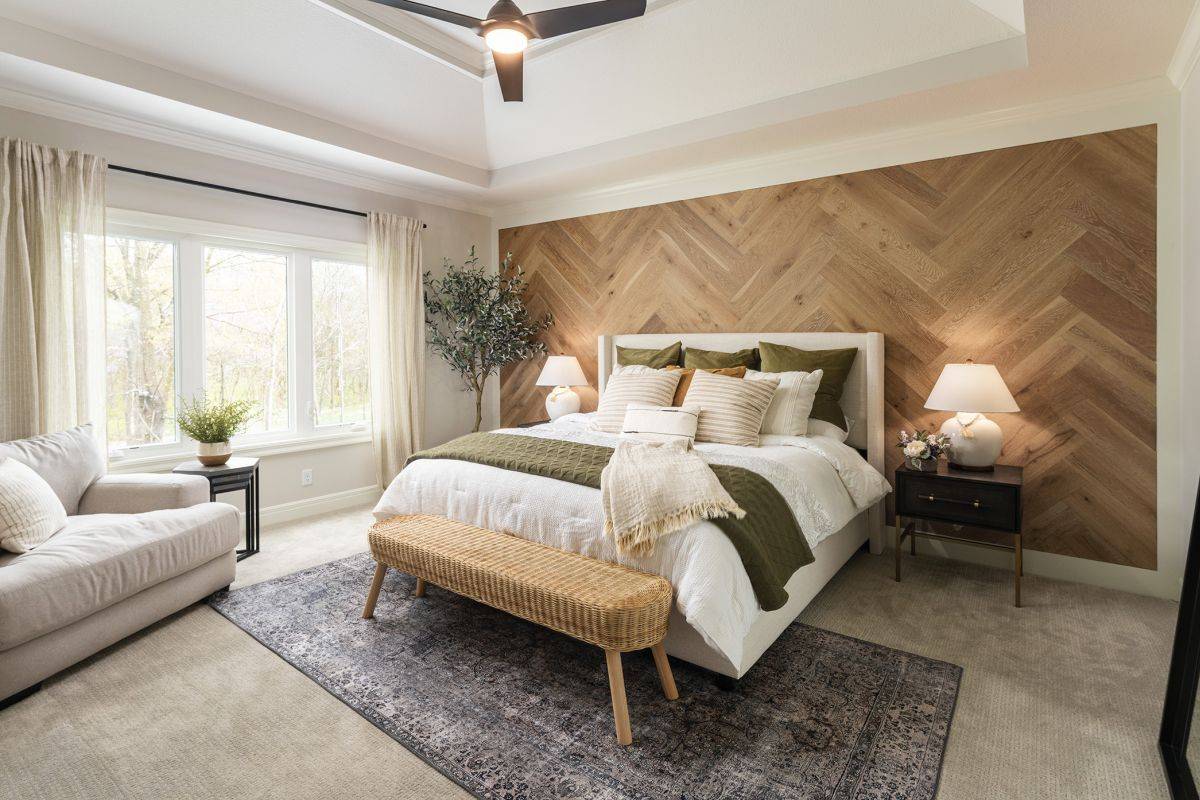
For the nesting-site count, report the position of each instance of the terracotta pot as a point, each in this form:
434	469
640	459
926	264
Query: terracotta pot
213	454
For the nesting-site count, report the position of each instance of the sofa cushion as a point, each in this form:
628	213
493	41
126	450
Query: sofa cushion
136	493
100	559
30	512
68	460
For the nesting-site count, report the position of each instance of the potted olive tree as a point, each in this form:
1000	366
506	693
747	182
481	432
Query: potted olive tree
477	322
212	425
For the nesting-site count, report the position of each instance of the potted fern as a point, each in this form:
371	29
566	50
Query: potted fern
212	425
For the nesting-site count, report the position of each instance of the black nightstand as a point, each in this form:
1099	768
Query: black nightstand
988	500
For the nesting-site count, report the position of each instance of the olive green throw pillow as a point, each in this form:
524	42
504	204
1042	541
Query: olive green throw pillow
714	359
836	365
649	357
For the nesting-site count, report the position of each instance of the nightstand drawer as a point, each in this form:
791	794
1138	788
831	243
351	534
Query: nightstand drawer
988	506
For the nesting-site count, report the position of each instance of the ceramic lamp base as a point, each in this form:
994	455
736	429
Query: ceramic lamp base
561	401
975	442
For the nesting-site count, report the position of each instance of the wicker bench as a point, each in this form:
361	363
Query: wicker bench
613	607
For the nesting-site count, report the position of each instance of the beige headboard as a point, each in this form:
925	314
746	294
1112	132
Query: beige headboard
862	397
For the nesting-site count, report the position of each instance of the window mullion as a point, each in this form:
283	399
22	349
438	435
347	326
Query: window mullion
302	338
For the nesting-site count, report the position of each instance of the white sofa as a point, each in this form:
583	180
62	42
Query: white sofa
135	549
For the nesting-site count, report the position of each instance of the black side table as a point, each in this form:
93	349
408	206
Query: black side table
235	475
989	500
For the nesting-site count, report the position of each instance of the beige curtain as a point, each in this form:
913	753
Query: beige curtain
51	289
397	320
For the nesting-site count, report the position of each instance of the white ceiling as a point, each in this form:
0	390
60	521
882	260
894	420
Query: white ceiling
378	92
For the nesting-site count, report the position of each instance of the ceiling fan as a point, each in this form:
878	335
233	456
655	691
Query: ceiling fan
507	31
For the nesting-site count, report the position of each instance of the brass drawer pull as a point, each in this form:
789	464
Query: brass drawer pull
932	499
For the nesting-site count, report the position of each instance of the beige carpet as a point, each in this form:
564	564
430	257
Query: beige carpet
1060	699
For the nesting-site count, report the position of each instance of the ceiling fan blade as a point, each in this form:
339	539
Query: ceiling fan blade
510	69
436	13
557	21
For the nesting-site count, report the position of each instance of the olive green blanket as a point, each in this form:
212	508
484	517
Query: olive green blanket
767	539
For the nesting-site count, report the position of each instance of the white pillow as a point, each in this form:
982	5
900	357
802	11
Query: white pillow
635	369
731	409
793	401
30	511
819	427
655	388
660	423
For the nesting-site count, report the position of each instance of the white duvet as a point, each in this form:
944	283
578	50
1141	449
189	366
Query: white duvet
826	483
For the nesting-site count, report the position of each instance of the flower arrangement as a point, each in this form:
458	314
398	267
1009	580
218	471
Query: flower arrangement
922	449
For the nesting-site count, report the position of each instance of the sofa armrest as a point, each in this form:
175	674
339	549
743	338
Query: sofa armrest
135	493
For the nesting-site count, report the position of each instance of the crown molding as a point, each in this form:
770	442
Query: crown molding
23	100
1187	52
1029	123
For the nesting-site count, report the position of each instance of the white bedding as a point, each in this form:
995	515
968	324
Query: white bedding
825	482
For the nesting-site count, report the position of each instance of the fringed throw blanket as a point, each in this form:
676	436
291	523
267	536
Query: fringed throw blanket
650	490
767	538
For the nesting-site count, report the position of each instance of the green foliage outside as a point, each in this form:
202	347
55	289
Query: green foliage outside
478	323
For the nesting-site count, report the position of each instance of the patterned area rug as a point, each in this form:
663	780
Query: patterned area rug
510	710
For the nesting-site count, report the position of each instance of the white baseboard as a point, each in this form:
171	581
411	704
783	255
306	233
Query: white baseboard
312	506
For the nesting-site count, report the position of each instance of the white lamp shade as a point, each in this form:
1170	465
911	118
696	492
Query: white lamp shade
971	388
562	371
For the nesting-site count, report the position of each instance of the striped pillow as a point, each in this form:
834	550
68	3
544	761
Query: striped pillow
731	409
655	424
652	389
30	511
793	402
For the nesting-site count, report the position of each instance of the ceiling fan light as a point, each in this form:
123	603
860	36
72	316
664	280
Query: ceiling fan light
506	40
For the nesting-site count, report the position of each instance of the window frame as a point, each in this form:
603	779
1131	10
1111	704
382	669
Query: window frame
189	238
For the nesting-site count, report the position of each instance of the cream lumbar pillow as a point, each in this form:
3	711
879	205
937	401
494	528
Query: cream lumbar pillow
30	511
793	401
731	409
655	388
660	424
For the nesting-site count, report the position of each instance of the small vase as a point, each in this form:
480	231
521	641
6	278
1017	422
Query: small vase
923	464
213	454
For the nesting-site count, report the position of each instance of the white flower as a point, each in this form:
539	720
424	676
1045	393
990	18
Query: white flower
916	449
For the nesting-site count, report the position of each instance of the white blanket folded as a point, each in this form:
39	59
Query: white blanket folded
652	489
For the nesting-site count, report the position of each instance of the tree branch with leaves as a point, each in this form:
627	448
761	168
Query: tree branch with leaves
478	323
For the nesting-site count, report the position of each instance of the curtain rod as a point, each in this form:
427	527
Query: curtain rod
234	190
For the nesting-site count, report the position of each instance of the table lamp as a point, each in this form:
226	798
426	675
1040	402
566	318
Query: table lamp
562	372
970	390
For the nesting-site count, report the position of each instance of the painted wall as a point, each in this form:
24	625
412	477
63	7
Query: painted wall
451	233
1190	249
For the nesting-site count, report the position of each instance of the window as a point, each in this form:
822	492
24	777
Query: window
198	309
339	313
140	298
246	332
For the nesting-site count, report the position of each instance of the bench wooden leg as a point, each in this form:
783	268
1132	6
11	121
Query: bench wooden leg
616	686
664	672
373	595
420	590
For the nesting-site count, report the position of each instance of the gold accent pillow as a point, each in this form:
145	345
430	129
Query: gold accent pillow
685	379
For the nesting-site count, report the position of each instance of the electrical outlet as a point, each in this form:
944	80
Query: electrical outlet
306	477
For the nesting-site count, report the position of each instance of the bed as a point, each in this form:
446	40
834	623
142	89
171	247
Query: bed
834	489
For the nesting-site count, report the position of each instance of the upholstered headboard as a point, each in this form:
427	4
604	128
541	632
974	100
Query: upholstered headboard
862	397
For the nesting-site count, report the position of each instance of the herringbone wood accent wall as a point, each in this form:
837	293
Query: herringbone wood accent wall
1040	259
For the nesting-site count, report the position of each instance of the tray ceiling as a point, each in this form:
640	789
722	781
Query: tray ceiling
403	98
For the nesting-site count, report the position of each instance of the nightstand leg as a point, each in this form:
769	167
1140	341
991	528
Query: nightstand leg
912	544
899	536
1017	570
